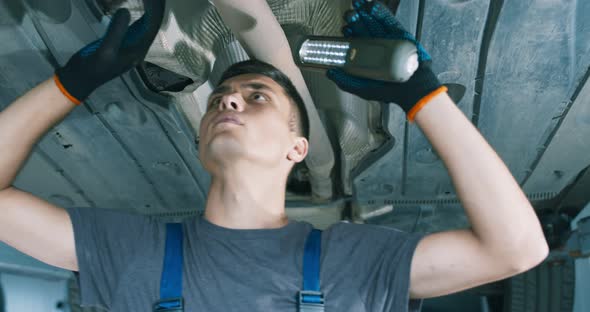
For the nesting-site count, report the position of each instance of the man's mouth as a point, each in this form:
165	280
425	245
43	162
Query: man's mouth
228	119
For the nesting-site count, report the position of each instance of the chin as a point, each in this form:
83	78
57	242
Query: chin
223	148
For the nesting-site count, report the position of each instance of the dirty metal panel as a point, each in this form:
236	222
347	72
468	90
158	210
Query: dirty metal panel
44	178
77	144
112	148
407	14
141	133
145	133
512	48
568	152
529	75
567	149
179	143
420	173
381	176
452	33
64	36
23	67
349	117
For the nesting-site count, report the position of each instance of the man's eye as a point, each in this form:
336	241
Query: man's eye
259	97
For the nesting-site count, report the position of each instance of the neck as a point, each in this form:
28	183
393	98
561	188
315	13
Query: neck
251	198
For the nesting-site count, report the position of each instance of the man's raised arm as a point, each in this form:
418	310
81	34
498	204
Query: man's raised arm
27	223
506	237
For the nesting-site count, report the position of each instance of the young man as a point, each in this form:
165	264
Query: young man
244	254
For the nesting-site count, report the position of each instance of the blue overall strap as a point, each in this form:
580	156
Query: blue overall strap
171	282
311	299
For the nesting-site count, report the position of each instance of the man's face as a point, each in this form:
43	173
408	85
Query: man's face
247	119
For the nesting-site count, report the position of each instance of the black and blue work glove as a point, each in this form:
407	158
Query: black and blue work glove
122	48
374	20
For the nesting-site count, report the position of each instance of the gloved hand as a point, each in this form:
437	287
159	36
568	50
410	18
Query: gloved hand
374	19
121	49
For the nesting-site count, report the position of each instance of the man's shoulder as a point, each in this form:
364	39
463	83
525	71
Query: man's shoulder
346	228
106	212
86	217
346	235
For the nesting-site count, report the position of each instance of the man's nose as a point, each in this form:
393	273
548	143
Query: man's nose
231	101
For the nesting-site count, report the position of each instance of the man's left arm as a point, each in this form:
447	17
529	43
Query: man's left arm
506	237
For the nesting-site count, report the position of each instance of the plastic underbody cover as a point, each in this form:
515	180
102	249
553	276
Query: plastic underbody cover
518	70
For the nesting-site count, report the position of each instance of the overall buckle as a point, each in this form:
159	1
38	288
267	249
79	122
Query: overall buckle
169	305
311	301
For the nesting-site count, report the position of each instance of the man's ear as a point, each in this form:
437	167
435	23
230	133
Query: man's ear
299	150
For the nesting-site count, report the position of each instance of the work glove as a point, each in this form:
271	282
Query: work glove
373	19
122	48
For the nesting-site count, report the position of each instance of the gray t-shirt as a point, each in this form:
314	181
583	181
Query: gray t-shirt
120	259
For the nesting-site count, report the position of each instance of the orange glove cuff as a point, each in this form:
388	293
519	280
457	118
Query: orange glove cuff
64	91
425	100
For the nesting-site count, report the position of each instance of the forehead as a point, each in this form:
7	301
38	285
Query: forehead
249	81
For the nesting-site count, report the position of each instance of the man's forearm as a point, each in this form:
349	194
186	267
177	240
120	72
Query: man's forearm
501	216
24	122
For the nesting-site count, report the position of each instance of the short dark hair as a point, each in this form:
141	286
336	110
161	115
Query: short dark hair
265	69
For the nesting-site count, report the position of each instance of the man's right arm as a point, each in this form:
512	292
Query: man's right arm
27	223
